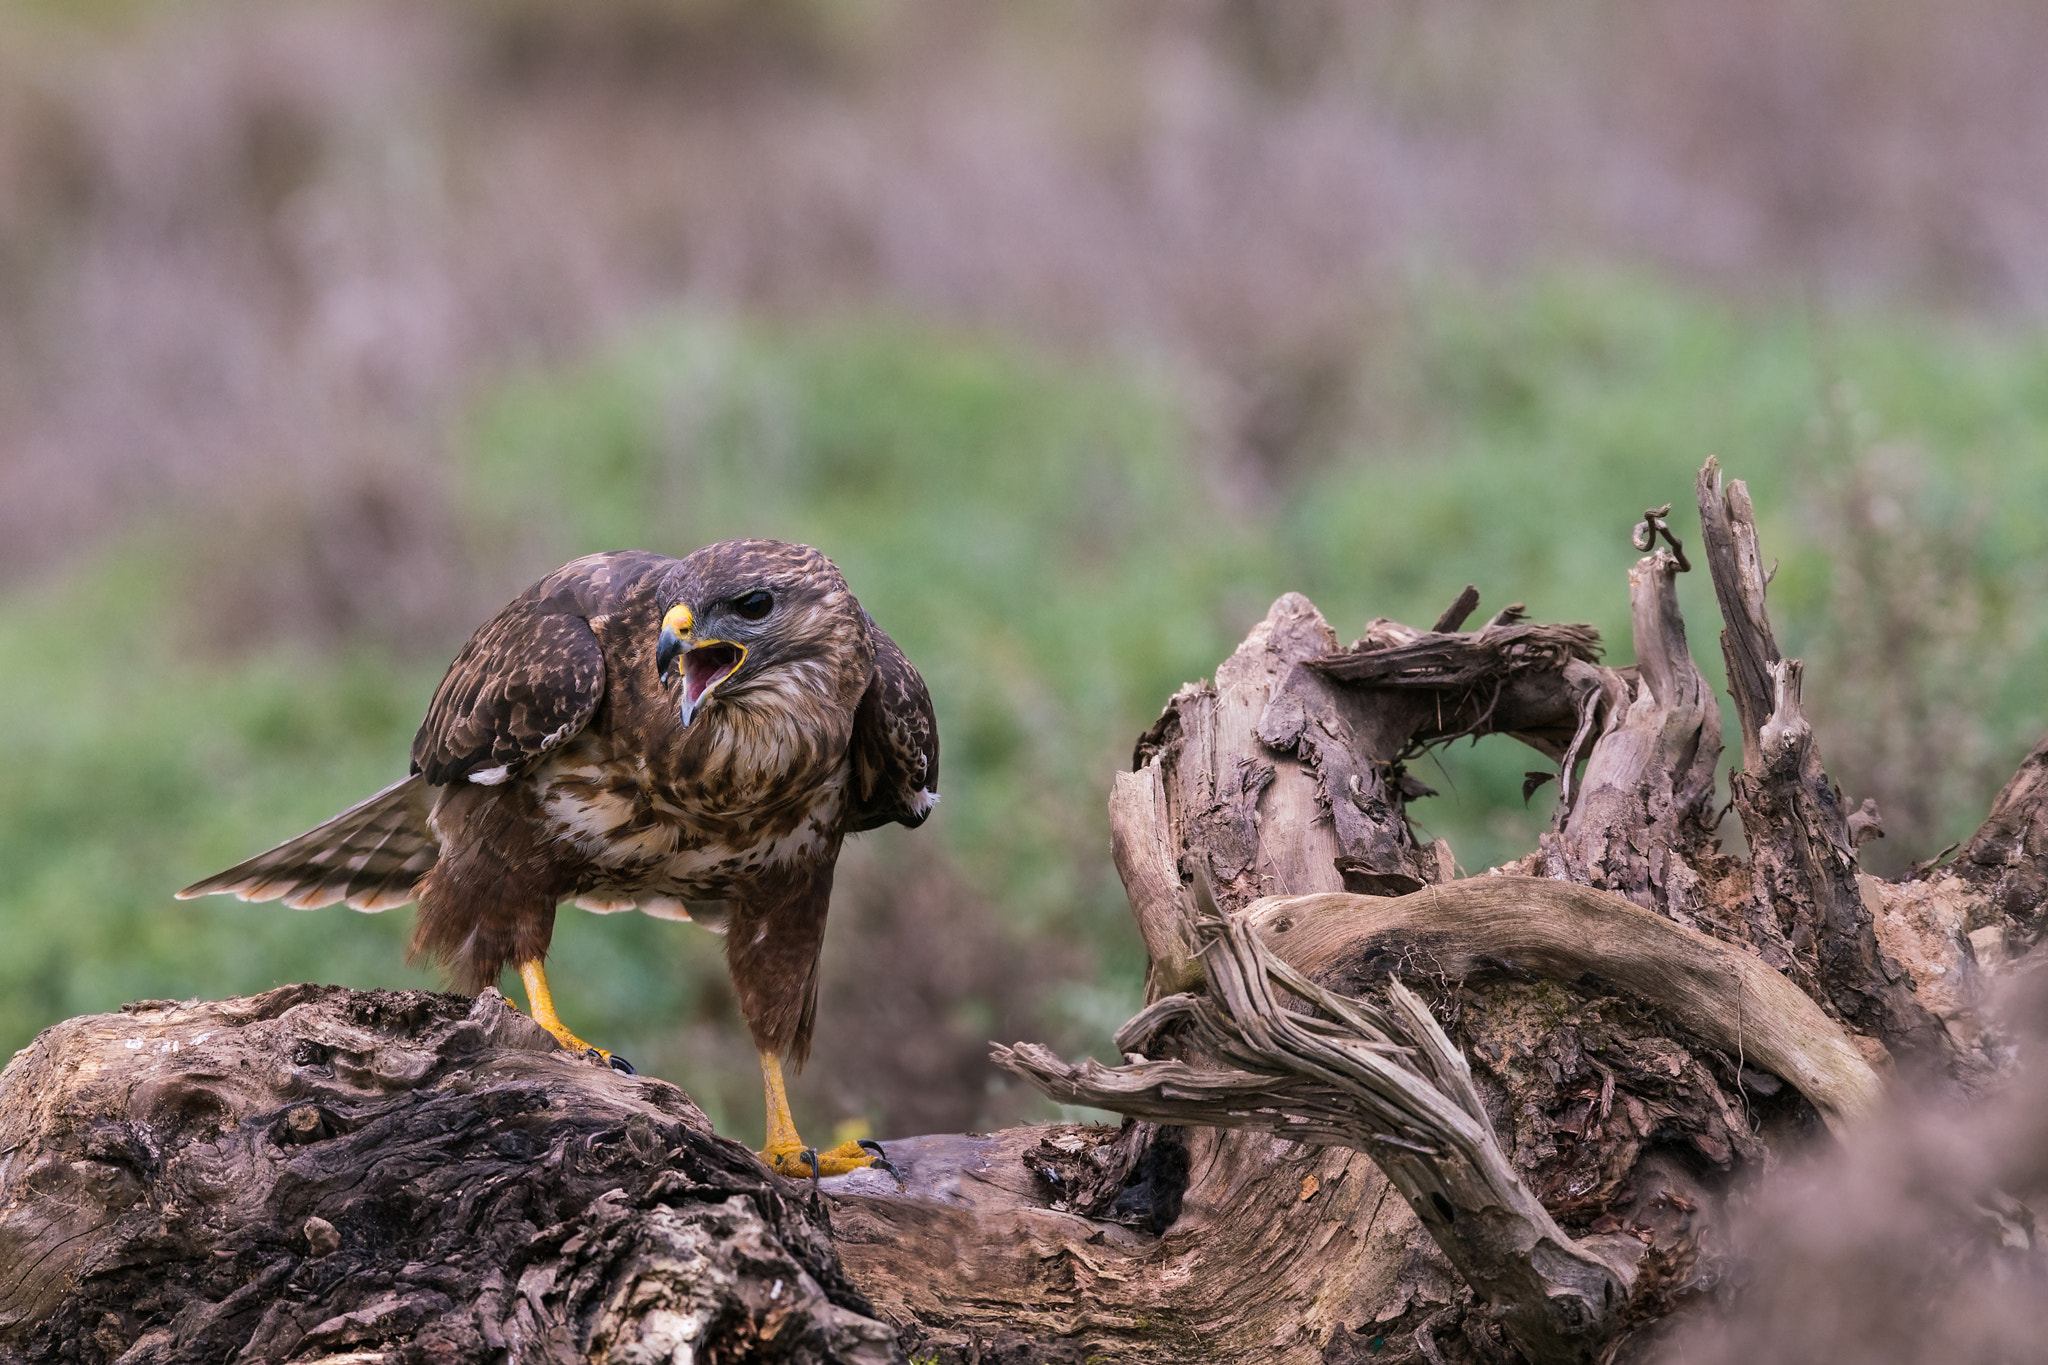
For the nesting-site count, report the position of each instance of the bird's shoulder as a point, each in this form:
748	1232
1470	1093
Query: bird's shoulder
533	675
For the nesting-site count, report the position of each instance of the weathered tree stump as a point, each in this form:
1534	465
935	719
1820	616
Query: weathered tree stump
1376	1112
1647	1019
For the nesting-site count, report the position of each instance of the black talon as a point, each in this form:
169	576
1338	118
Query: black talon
881	1157
621	1065
818	1209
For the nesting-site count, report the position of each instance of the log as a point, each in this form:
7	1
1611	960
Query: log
319	1174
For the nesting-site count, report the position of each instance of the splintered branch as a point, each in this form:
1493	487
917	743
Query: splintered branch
1446	661
2008	855
1656	524
1807	916
1385	1082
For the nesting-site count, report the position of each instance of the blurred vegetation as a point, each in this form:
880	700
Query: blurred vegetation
1046	540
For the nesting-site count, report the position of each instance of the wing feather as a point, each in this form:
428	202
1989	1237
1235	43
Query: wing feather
371	855
895	743
526	682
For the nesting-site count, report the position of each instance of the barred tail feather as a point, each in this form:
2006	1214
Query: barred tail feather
370	856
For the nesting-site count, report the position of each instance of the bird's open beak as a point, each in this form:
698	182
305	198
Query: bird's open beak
706	663
705	666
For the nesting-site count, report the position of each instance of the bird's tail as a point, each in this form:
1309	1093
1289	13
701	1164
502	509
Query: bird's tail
371	856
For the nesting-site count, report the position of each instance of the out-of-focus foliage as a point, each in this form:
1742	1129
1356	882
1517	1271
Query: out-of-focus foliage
1032	532
254	252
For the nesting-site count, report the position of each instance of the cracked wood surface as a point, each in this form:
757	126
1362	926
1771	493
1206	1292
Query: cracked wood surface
1640	819
390	1176
1385	1082
1533	926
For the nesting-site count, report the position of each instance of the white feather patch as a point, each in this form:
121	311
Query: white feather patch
611	902
606	902
491	777
665	907
922	803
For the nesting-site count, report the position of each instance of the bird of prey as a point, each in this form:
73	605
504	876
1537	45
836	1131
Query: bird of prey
690	737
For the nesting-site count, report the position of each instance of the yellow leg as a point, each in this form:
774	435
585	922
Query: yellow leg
785	1151
540	1002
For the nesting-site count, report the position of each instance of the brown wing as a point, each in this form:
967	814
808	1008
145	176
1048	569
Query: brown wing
371	855
895	745
526	682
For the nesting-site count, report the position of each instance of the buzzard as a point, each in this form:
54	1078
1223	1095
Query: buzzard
693	738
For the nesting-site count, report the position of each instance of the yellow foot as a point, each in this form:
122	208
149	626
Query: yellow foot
571	1043
785	1153
794	1160
543	1005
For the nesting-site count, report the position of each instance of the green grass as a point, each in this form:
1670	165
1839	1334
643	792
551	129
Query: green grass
1036	535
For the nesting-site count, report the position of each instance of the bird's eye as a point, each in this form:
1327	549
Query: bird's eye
754	605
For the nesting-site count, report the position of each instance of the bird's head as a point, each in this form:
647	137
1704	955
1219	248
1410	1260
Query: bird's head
745	615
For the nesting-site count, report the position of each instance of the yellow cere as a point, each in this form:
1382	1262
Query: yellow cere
678	620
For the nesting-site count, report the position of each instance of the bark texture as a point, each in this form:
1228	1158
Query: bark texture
2006	860
1640	820
1387	1083
317	1174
